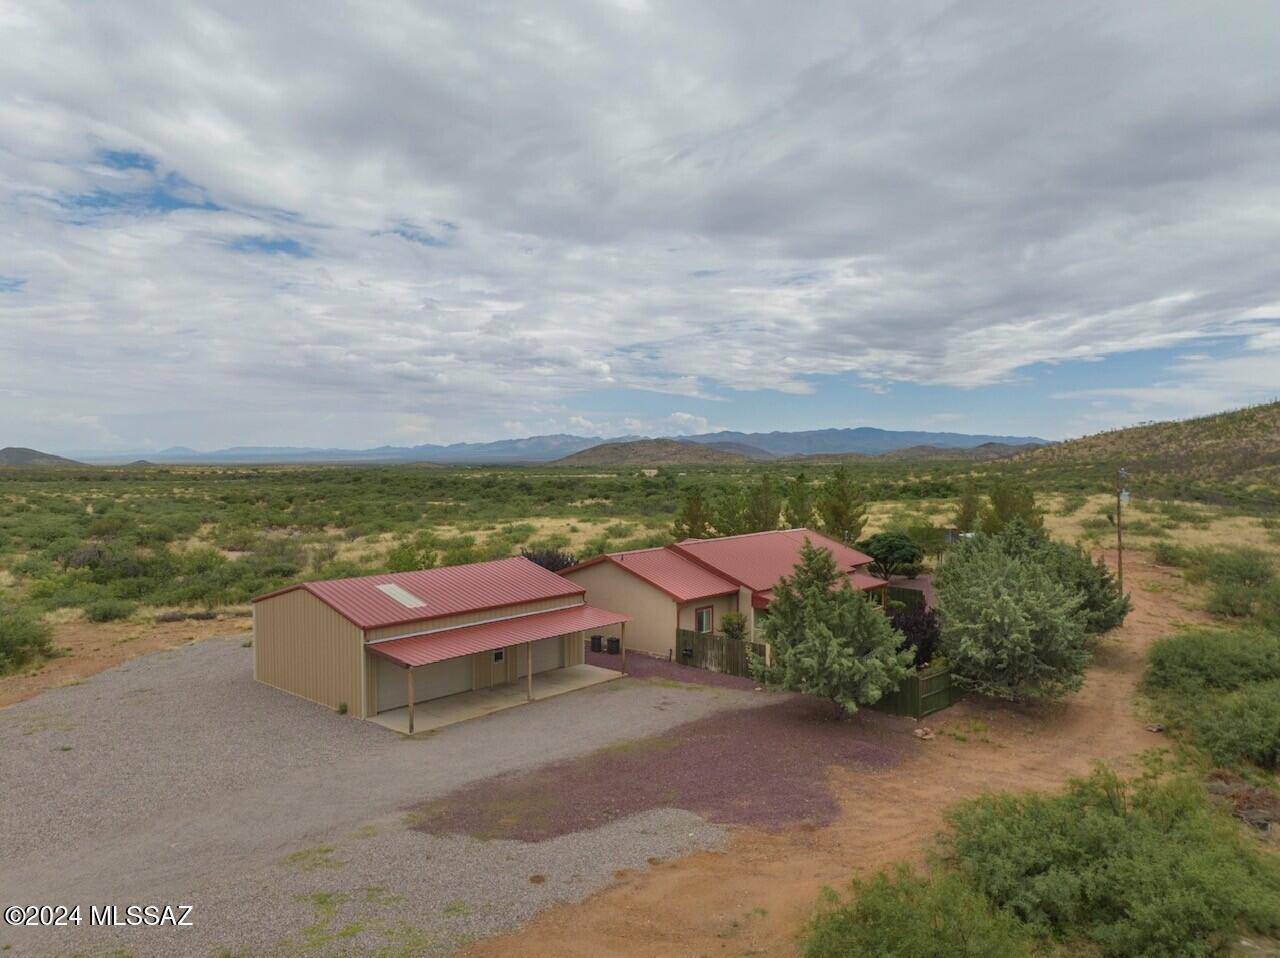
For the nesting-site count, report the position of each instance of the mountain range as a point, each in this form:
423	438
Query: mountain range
863	440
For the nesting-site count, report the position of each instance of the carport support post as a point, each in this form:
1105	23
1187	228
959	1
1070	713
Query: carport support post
408	674
528	666
622	640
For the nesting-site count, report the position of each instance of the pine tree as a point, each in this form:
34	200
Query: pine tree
966	518
728	511
841	507
798	512
1010	500
762	505
694	518
828	641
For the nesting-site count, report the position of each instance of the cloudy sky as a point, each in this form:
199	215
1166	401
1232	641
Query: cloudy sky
342	224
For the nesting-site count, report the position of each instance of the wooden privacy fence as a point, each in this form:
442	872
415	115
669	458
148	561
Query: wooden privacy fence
908	597
922	693
716	652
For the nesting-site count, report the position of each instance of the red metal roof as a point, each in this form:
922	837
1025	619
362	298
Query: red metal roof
417	650
859	580
445	591
665	569
759	559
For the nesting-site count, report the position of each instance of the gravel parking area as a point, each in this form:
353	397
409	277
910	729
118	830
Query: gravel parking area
176	778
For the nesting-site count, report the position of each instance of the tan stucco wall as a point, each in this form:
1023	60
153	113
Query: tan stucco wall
302	646
652	628
719	605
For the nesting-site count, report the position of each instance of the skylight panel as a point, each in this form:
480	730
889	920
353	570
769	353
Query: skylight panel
403	596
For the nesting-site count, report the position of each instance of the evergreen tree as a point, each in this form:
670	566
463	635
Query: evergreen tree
966	518
841	507
828	641
694	519
1009	629
1010	500
798	512
762	505
728	511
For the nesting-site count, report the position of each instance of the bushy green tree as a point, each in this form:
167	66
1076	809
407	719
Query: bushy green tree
1102	607
415	554
892	553
798	512
1007	500
728	511
762	505
827	639
551	559
841	507
1009	629
694	518
968	509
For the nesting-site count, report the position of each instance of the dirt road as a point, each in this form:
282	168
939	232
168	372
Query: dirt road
754	897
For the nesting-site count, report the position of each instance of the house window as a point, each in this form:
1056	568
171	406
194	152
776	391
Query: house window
498	656
703	620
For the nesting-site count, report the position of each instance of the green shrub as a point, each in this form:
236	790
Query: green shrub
1140	869
908	916
1231	601
1216	659
1244	567
1242	727
23	639
1170	554
108	610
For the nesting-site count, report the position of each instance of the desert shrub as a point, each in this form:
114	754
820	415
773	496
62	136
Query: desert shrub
733	625
1231	601
1213	659
619	530
920	630
1244	567
1170	554
23	638
1010	500
911	916
108	610
412	556
1241	727
552	559
1135	869
1009	629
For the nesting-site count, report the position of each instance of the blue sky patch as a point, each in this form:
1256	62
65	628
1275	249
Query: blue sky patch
127	160
165	195
416	234
11	284
270	244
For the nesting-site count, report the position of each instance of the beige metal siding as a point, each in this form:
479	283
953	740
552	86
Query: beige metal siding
429	681
302	646
470	618
652	628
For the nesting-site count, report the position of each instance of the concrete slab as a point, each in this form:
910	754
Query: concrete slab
437	713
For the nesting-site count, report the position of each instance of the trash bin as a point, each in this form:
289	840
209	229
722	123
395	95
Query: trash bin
597	643
615	645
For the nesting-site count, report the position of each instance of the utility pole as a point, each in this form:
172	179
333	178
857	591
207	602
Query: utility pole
1122	497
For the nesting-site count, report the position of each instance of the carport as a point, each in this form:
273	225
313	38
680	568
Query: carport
446	658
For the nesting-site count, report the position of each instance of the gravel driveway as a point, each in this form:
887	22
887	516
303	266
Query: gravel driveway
177	778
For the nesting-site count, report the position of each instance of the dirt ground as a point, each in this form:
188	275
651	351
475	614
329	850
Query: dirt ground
754	898
88	648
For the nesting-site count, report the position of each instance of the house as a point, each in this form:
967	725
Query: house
459	640
692	584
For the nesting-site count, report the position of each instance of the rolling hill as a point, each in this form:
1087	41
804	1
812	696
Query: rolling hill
982	453
22	456
651	452
1240	449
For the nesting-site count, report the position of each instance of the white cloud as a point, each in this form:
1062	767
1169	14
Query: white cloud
503	212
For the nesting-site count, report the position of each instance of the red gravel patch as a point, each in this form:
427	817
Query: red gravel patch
765	767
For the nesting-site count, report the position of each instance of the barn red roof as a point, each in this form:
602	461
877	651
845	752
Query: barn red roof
859	580
676	575
429	593
415	650
759	559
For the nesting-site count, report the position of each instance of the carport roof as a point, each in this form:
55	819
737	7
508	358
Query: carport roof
397	598
415	650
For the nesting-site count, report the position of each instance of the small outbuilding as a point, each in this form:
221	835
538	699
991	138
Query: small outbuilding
416	650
